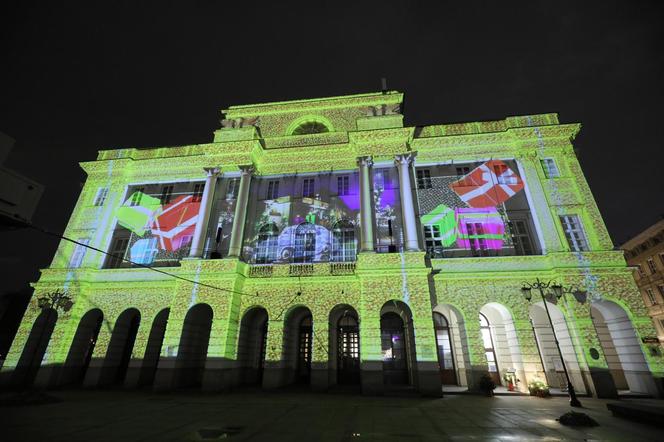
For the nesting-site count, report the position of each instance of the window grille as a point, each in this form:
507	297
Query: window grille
424	179
576	238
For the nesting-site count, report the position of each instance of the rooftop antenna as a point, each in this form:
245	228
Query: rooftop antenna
383	84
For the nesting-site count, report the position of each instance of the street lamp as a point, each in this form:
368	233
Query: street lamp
557	292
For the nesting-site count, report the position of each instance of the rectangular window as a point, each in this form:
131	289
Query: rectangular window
233	187
272	190
576	238
641	272
197	196
100	197
79	253
651	297
343	185
521	236
661	290
166	194
308	188
117	253
651	266
424	179
433	240
136	196
462	171
550	168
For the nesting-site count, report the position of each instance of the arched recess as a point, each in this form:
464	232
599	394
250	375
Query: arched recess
459	341
548	352
499	331
267	244
251	346
309	124
622	348
397	343
153	348
298	345
35	348
82	347
344	242
344	346
192	351
120	347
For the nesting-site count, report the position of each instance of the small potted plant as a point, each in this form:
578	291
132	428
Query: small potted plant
511	380
487	385
538	387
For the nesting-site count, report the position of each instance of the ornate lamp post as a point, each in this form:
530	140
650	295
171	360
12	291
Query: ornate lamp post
557	291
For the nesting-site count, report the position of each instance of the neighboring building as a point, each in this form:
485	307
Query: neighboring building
645	252
19	195
320	241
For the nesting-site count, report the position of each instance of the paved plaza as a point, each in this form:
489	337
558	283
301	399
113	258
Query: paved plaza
300	416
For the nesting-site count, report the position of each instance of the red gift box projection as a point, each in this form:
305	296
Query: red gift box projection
176	224
488	185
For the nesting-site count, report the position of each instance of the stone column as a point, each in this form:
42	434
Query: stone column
237	234
366	205
198	242
403	163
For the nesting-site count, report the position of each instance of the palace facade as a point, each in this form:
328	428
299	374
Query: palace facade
323	243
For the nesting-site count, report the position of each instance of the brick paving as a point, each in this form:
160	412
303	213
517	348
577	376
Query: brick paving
101	416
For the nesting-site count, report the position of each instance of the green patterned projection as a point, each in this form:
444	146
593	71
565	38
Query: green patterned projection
322	138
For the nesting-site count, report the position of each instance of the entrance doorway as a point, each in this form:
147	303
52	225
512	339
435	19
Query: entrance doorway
348	350
82	347
393	346
252	345
489	349
444	346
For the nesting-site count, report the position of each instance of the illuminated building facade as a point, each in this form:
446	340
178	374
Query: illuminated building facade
322	242
645	253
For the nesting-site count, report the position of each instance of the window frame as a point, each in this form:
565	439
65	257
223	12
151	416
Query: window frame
423	179
308	187
576	244
550	172
100	196
343	185
652	298
272	191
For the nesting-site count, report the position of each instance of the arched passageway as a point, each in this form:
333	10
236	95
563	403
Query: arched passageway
298	345
153	348
546	345
192	351
397	343
626	362
252	345
501	346
344	346
35	348
82	347
120	347
458	338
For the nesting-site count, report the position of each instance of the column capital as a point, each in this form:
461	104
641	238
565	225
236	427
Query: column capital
405	159
212	171
247	169
365	161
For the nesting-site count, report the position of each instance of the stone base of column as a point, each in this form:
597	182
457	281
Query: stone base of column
371	375
602	383
428	379
320	377
220	375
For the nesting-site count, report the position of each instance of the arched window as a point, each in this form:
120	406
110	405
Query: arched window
489	350
305	243
444	345
344	247
267	244
310	127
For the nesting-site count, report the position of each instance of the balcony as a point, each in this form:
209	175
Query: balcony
301	269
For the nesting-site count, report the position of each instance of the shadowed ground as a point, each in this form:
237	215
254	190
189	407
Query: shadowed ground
295	416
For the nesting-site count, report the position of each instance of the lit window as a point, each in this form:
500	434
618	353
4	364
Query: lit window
574	233
308	188
100	197
272	190
166	194
651	266
344	246
197	196
343	185
651	297
424	179
550	168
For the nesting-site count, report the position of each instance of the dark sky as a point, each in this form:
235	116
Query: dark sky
74	80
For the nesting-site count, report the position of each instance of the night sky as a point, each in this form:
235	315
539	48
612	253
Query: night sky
75	80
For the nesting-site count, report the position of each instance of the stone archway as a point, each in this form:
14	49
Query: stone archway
120	347
397	344
298	346
82	347
34	349
344	346
459	343
251	346
622	348
152	354
192	351
500	337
